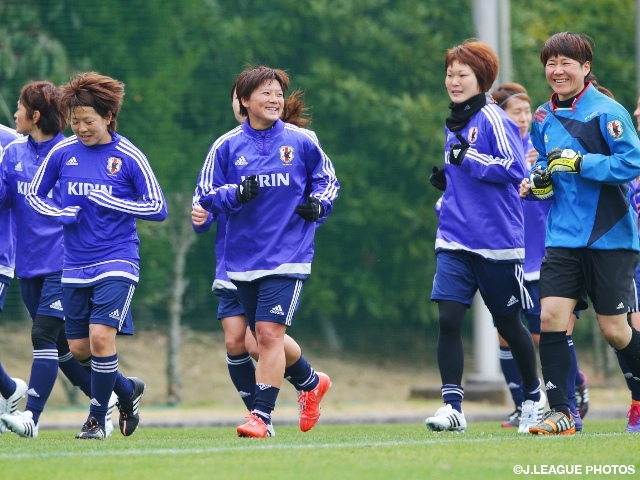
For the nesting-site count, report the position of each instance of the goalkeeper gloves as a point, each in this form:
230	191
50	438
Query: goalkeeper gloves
540	181
458	150
247	190
438	179
310	211
564	160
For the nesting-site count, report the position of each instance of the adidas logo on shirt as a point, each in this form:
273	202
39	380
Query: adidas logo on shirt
242	161
277	310
115	315
620	305
32	393
18	167
72	161
550	386
57	305
512	300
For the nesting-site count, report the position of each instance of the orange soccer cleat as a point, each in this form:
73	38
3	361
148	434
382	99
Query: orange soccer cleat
310	402
254	428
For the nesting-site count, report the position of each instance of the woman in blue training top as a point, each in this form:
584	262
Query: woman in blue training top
275	183
239	342
590	151
106	184
480	237
39	117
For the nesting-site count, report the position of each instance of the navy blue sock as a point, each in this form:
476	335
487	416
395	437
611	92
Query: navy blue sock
265	401
301	375
573	372
75	372
555	359
71	368
634	387
7	385
123	387
511	376
453	395
104	371
86	364
44	371
243	375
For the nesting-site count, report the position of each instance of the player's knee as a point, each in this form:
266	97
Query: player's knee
45	330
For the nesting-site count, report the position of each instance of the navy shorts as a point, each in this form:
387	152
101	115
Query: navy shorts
636	297
270	299
605	275
459	275
106	303
228	303
43	295
4	286
532	314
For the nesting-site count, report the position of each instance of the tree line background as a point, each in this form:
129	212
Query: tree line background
373	73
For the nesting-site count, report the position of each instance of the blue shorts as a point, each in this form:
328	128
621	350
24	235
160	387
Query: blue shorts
43	295
229	303
459	275
270	299
4	286
532	314
636	279
106	303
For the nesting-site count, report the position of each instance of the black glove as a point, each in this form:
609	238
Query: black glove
540	181
458	150
564	160
247	190
438	179
310	211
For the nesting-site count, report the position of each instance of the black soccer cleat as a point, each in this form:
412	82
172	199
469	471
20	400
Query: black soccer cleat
92	430
129	417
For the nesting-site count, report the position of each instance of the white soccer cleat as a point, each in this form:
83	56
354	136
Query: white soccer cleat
21	423
447	419
532	413
10	405
108	424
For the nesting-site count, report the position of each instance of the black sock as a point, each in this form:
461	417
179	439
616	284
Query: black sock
555	359
631	353
450	352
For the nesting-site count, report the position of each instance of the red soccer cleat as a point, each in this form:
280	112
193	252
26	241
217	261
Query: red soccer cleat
254	428
310	403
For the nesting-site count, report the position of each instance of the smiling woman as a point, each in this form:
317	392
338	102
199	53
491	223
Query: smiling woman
484	158
275	184
98	215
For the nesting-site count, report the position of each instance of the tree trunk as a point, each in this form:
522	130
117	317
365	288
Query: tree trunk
182	238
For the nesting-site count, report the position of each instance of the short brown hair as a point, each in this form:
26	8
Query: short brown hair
478	56
253	77
566	44
90	89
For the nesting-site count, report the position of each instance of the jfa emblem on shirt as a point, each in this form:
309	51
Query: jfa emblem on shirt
114	164
473	134
615	128
286	154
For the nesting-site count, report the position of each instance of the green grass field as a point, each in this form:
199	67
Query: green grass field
485	451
